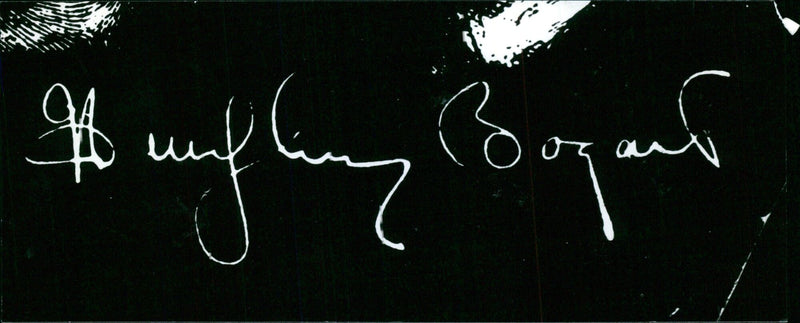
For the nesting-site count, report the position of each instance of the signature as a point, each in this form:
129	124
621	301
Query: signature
346	159
76	127
499	131
630	149
234	173
625	149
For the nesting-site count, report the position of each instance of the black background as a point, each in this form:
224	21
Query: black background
523	243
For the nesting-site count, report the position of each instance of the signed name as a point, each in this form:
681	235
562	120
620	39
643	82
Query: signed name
76	128
551	149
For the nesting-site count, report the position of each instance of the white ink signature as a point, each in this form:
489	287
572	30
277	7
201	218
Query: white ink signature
608	227
346	159
76	127
231	154
630	149
499	132
627	149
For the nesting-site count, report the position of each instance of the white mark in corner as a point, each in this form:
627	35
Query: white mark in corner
790	25
76	127
234	173
56	25
675	311
608	227
519	26
346	159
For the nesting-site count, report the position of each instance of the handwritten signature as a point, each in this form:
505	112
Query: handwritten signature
625	149
234	173
499	131
76	127
346	159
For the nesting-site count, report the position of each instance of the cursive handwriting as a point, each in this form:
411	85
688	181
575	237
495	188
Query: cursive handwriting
608	227
630	149
328	156
231	154
76	127
625	149
499	132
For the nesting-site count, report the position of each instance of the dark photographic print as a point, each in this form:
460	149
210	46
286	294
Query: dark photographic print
397	161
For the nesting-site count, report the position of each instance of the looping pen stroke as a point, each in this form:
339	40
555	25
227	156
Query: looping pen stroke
54	25
234	173
630	147
301	154
76	128
499	131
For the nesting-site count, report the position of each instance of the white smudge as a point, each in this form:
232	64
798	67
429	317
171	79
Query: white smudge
518	27
675	311
54	25
790	25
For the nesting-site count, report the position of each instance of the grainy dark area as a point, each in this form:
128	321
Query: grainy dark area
369	81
